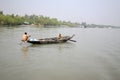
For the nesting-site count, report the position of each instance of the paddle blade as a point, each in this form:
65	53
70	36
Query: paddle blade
73	40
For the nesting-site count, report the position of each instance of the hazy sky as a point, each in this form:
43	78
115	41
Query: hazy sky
90	11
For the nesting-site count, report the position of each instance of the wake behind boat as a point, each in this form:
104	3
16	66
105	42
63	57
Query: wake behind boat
51	40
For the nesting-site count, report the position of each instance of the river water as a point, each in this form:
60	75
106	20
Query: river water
95	55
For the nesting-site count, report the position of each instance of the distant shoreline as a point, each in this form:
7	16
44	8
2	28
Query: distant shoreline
11	20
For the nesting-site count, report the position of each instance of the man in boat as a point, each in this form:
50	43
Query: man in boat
59	36
25	37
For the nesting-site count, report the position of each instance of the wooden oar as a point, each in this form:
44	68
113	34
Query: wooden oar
73	40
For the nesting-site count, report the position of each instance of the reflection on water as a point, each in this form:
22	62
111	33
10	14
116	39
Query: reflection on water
24	50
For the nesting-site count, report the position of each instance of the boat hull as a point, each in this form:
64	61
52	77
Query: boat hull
50	40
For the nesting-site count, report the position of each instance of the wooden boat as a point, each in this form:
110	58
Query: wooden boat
51	40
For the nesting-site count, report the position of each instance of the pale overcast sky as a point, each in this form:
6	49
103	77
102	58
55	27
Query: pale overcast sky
105	12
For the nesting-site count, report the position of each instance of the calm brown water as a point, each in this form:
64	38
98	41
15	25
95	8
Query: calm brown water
95	55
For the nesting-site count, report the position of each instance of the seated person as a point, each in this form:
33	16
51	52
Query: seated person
25	37
59	36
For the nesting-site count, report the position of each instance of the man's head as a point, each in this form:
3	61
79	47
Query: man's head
25	32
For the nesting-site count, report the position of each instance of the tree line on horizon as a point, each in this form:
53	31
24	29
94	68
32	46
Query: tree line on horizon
11	19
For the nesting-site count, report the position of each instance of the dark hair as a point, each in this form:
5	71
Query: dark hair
25	32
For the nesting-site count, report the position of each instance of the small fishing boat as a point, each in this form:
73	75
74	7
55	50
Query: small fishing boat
51	40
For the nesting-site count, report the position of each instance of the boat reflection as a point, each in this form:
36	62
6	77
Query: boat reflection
24	50
42	47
